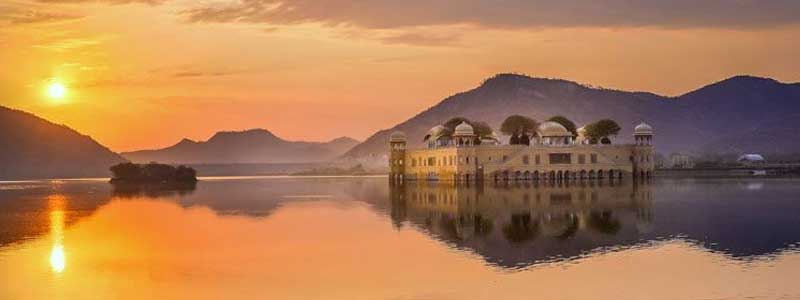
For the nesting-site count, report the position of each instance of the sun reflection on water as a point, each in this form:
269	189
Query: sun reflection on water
58	260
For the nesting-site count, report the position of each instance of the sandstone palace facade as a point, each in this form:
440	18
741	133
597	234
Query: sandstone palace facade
552	154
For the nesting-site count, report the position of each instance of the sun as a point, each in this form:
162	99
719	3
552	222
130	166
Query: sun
56	91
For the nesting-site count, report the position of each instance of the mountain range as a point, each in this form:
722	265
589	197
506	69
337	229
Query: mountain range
741	114
249	146
33	147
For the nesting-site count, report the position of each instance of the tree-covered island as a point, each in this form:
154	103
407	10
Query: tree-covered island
152	173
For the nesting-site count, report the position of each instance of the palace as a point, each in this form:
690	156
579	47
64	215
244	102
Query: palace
553	153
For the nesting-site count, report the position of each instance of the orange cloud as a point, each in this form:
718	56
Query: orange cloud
21	14
150	2
380	14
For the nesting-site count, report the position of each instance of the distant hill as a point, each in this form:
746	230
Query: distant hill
36	148
250	146
737	115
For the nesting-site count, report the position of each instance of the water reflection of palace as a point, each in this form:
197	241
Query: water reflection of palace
521	224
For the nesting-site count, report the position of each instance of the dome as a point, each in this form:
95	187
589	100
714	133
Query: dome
553	129
464	129
582	131
643	129
397	136
492	137
751	158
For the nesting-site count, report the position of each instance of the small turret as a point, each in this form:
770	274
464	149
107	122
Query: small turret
397	156
643	155
643	134
464	135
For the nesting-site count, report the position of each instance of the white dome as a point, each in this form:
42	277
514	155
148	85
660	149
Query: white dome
464	129
550	128
582	131
492	137
495	135
397	136
643	129
751	158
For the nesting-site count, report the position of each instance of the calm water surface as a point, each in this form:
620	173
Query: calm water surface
359	238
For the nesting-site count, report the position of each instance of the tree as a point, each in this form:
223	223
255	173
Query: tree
183	173
158	171
525	140
127	170
599	130
566	123
481	129
152	172
516	124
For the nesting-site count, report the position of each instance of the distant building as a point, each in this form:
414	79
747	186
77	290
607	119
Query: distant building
553	154
681	161
751	159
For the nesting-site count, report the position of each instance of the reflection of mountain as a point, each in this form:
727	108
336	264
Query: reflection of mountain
26	209
520	225
257	197
739	218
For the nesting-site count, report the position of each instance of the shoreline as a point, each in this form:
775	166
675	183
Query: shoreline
696	174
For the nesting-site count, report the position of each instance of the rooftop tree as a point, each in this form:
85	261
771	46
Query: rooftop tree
602	130
516	125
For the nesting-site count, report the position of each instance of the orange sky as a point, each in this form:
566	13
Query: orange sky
146	73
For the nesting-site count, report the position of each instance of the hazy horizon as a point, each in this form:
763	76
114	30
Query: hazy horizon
143	74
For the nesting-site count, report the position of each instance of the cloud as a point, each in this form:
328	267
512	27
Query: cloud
22	14
421	39
427	36
188	74
150	2
39	17
385	14
68	44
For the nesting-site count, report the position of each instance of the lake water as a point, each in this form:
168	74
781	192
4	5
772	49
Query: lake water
359	238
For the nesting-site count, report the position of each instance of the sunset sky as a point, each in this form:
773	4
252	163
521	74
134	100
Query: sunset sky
145	73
